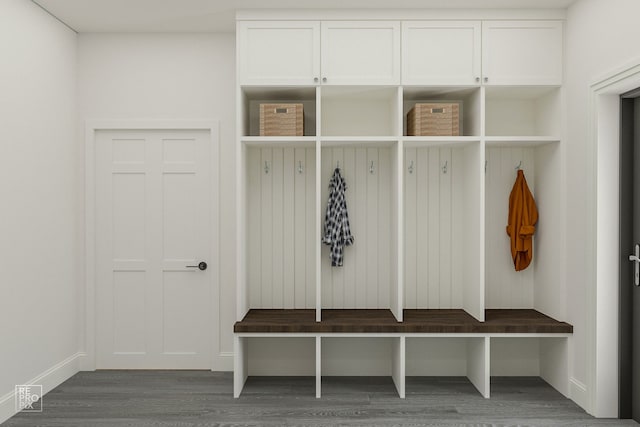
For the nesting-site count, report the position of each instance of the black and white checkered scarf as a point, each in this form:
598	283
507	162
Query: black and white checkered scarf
337	233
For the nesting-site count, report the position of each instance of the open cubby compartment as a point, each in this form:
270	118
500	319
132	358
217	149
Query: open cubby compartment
447	356
278	357
280	239
540	286
523	111
363	356
369	275
253	96
469	99
442	227
532	356
359	111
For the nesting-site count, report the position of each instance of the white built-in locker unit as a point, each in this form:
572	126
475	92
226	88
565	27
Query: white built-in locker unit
428	213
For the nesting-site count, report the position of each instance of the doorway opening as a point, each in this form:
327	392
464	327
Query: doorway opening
629	291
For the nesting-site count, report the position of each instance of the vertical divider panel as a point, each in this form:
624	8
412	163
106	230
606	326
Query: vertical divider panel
240	364
478	364
242	291
398	363
318	210
384	170
473	217
397	231
397	236
371	231
309	172
318	366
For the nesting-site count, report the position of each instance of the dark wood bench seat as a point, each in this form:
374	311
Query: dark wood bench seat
516	321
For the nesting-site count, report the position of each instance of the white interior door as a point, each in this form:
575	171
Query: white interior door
153	224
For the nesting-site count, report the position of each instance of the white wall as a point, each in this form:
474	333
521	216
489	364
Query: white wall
601	37
170	76
38	193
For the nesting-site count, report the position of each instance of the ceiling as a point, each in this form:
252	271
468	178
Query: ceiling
219	15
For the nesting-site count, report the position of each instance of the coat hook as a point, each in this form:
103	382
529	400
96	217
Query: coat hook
485	165
410	168
519	165
266	167
300	169
444	168
371	169
338	164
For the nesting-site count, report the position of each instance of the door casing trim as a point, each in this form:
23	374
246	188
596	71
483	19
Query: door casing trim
87	311
603	250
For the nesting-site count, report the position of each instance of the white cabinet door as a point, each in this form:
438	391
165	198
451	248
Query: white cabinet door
441	52
361	53
522	52
278	52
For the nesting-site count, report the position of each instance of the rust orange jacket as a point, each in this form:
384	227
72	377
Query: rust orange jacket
523	215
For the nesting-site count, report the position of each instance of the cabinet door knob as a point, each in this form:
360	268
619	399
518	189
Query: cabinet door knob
486	79
324	79
315	79
477	79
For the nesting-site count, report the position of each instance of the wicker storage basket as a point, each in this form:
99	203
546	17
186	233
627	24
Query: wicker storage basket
434	119
281	120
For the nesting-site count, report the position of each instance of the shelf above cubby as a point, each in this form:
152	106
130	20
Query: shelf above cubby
358	141
279	141
520	141
439	141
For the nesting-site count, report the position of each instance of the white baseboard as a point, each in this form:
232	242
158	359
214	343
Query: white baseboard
225	361
578	393
49	379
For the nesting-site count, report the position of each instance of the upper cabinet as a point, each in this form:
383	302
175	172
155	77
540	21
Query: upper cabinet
289	53
279	52
432	53
522	52
441	52
361	52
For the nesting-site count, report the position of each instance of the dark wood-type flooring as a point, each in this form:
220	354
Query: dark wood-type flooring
415	321
204	398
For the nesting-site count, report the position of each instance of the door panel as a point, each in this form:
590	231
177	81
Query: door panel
153	220
279	52
360	53
635	324
441	53
522	52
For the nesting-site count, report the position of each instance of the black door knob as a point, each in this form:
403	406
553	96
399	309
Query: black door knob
201	265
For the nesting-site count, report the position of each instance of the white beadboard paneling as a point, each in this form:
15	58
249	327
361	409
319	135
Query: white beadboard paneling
277	176
505	288
288	233
434	204
266	229
364	280
281	227
410	224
